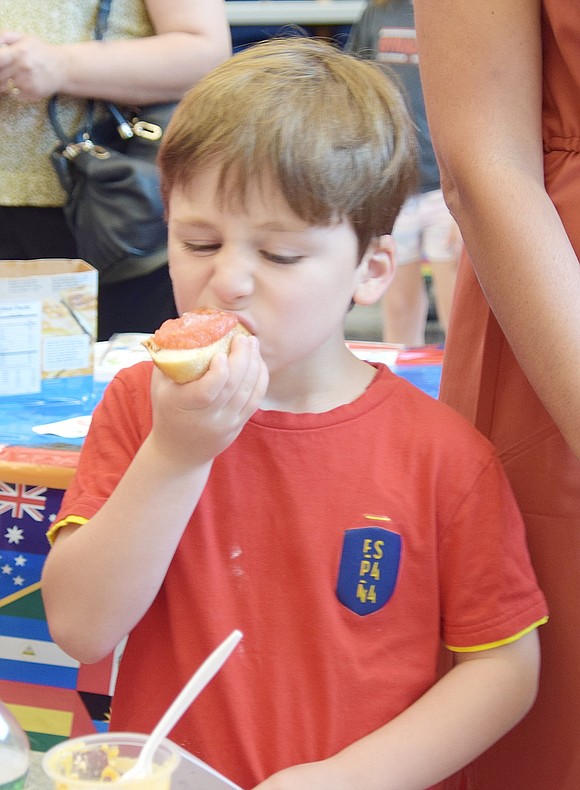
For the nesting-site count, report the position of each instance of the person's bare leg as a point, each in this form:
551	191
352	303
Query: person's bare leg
405	307
443	274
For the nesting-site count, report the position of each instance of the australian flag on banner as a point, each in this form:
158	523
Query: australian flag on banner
25	516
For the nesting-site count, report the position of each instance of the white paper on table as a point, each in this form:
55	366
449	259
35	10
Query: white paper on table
376	352
194	773
121	351
72	428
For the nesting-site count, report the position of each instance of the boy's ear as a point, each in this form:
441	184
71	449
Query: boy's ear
376	271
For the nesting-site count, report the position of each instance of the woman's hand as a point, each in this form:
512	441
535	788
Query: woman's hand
30	68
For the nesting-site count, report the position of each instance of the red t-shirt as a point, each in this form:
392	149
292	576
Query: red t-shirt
344	545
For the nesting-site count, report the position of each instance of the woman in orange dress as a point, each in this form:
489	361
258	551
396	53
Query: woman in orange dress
502	86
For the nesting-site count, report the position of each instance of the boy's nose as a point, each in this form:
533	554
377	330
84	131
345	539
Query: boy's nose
233	278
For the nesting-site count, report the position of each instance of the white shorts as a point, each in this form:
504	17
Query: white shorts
425	230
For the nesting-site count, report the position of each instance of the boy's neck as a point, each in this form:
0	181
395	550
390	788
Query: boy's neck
317	388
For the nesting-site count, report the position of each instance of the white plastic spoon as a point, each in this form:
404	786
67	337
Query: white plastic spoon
181	703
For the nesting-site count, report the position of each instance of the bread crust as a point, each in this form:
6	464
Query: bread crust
189	364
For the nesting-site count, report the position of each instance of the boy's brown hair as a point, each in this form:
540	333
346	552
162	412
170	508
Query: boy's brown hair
332	131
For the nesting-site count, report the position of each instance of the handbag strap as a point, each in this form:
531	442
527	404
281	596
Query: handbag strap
102	20
126	130
103	12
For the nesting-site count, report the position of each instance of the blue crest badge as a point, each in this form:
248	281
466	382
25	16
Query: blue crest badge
369	567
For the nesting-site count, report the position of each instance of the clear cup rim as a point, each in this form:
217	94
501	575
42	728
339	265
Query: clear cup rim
131	738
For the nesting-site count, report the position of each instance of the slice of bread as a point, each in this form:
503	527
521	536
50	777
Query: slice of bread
189	364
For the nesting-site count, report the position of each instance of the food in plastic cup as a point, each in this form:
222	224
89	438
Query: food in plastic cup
94	760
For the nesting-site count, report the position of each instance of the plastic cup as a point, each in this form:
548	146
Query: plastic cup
117	749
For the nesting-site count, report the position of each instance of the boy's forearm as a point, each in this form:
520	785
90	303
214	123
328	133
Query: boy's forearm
124	552
100	579
470	708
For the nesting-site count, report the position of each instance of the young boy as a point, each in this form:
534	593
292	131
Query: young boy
344	521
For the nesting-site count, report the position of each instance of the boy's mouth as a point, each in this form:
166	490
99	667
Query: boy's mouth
241	318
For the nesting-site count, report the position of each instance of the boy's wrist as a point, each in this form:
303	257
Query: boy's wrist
168	462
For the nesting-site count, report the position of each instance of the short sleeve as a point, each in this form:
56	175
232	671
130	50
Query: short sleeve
120	424
489	591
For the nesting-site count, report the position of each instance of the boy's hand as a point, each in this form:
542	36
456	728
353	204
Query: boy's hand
193	423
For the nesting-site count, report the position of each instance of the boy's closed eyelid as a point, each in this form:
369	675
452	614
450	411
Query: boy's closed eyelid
210	247
284	259
201	246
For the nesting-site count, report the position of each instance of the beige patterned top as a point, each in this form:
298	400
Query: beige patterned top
26	136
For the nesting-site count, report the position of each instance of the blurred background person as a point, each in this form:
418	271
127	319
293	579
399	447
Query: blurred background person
502	87
424	232
153	51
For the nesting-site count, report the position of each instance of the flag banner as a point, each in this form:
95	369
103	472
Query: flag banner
52	695
47	720
100	678
48	715
19	571
23	627
43	674
35	652
27	511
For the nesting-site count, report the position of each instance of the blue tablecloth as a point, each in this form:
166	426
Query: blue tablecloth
426	377
18	416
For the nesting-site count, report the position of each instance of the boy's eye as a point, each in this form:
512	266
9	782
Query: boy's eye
284	259
201	247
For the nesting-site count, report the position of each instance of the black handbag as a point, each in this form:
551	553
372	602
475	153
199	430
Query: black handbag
108	170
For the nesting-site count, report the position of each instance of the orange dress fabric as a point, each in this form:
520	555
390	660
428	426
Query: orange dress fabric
483	381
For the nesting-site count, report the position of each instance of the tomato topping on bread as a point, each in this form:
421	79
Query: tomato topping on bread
184	347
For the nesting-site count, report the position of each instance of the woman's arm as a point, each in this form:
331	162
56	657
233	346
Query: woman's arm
471	707
481	71
191	37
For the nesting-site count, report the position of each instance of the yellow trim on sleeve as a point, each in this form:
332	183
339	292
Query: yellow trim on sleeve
51	534
500	642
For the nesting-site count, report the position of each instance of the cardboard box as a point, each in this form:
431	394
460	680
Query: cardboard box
48	326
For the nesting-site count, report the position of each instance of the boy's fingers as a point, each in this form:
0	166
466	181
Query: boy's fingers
195	394
244	387
234	382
